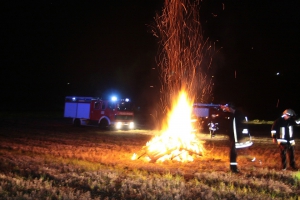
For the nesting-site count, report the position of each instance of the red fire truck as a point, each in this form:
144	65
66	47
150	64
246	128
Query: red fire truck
96	111
210	117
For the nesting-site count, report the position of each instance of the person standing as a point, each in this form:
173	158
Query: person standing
282	132
239	135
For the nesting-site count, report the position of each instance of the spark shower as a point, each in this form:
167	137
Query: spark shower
184	62
185	56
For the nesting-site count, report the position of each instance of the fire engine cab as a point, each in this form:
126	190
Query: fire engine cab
96	111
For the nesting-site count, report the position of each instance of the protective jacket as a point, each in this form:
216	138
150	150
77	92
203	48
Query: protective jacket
283	131
240	133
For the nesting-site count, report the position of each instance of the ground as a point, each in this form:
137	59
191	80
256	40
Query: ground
48	158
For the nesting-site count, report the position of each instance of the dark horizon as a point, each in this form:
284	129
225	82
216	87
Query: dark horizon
55	49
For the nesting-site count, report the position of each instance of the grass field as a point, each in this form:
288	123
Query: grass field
48	158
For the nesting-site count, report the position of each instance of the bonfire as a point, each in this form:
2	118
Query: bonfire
178	140
185	59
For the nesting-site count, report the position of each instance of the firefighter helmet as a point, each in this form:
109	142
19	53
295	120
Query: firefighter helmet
289	112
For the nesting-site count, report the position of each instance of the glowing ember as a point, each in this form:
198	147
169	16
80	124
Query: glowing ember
177	141
184	64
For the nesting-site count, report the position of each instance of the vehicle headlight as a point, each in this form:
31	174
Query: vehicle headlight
118	125
131	125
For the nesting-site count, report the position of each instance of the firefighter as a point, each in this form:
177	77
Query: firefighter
283	134
239	136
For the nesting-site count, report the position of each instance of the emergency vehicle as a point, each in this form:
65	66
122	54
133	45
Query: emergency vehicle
96	111
210	117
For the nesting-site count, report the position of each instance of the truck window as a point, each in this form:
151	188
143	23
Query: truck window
103	106
97	105
125	106
111	105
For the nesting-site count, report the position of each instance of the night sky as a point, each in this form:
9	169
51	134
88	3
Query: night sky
53	49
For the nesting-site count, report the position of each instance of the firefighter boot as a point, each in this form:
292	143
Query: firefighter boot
234	169
294	167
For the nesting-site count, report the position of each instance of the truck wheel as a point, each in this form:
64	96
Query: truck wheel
103	124
77	122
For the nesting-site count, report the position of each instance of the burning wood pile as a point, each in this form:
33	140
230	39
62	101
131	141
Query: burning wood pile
161	149
178	140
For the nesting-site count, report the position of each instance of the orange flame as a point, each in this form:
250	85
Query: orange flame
178	140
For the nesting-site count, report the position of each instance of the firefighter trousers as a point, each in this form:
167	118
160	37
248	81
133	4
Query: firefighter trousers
287	149
233	156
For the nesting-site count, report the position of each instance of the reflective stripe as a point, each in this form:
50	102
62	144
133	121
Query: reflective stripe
281	140
273	133
243	145
282	132
292	142
245	131
291	131
234	130
233	163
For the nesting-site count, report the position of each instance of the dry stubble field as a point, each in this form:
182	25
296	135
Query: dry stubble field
50	159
